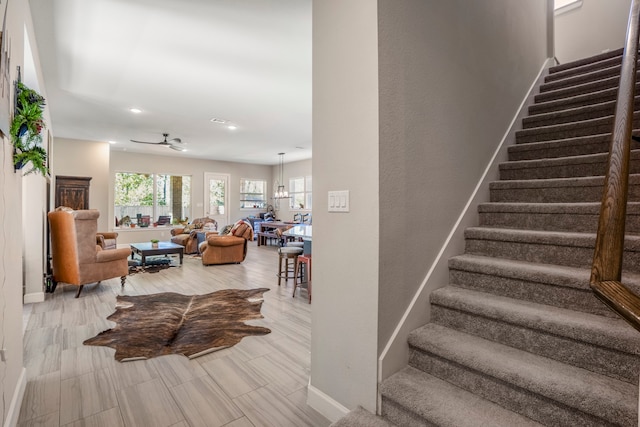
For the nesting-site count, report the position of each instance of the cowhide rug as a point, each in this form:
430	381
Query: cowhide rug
169	323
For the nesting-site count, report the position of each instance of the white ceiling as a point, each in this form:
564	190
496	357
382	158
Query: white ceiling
182	63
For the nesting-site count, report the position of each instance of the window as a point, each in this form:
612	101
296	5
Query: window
253	193
300	193
152	196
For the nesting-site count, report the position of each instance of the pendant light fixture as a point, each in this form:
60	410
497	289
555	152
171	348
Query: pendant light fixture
281	193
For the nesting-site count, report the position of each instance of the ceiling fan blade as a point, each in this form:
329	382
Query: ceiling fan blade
173	147
177	140
144	142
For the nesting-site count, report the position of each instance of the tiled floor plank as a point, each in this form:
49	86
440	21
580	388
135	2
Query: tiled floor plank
261	381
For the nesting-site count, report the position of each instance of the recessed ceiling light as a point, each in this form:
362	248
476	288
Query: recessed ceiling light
219	121
135	110
232	127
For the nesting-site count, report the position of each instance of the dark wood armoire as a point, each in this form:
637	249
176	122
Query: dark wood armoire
72	191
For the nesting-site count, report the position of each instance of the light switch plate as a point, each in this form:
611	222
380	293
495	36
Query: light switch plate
339	201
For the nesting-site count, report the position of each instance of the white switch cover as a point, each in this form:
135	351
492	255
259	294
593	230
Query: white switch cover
339	201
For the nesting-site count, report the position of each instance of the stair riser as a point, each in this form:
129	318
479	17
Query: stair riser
401	416
562	148
542	293
570	130
573	256
587	88
573	115
552	170
592	76
563	169
596	359
587	223
560	75
592	98
555	194
507	395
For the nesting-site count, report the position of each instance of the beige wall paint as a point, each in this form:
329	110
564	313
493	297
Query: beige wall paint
345	245
90	158
594	27
291	170
129	162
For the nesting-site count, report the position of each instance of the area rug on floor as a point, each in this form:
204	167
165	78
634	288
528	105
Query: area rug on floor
169	323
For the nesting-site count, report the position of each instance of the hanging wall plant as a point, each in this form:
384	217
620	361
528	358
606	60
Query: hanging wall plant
26	128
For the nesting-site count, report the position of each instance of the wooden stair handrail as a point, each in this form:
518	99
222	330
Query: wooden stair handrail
606	271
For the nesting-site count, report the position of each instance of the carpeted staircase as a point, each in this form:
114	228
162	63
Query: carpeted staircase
517	338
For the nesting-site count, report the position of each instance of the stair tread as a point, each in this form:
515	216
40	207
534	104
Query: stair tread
565	126
579	89
575	387
572	101
577	140
576	181
444	404
590	328
561	238
590	75
573	208
566	160
583	62
559	275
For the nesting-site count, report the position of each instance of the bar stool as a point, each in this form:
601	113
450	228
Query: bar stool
288	253
306	261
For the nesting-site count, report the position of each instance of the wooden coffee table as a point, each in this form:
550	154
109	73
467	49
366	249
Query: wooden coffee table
164	248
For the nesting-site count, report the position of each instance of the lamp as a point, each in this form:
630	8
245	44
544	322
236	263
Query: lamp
281	193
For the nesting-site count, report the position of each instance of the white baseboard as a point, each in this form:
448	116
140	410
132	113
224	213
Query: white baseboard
324	404
34	297
16	400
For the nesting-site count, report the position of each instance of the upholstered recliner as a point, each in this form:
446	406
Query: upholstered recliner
227	249
187	236
76	257
107	239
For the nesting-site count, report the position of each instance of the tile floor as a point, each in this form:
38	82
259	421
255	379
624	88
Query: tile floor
262	381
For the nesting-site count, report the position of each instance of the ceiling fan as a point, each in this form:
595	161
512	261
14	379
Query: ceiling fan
173	143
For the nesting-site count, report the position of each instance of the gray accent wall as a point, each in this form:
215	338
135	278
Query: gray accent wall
411	98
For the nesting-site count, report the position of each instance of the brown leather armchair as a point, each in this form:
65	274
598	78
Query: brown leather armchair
187	236
76	257
227	249
107	239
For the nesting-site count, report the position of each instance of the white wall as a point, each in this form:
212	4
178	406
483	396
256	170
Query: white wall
291	170
345	245
594	27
